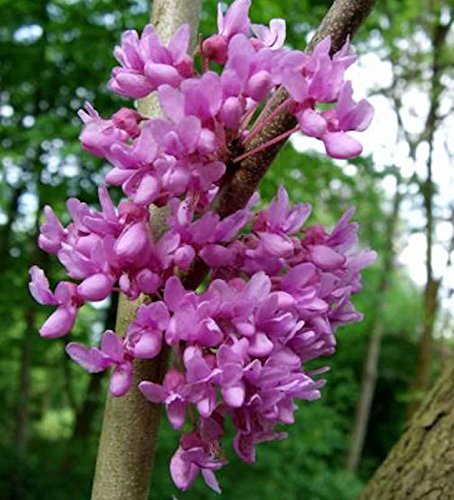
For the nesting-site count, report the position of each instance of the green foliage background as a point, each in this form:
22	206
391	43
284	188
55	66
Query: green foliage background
56	54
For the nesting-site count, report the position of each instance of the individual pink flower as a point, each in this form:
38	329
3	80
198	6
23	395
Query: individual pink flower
146	64
145	333
274	36
51	233
172	393
65	297
192	457
111	353
331	126
98	135
235	20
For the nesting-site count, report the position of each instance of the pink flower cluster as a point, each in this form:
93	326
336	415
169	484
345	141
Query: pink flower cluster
276	291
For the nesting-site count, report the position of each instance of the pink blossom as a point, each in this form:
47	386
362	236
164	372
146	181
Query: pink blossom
146	63
171	393
144	336
235	21
111	353
65	297
330	126
274	36
195	455
276	290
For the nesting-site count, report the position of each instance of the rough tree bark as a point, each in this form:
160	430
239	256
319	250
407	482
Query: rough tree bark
370	367
421	464
130	424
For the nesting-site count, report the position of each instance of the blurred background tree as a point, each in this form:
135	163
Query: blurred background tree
56	54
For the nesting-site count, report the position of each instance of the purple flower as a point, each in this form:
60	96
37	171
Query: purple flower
144	338
274	36
111	353
171	393
231	360
200	374
279	218
330	126
247	72
66	298
146	64
252	431
194	455
132	242
235	21
276	290
98	135
52	233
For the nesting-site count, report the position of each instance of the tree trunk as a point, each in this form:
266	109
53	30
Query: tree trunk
130	425
421	464
370	368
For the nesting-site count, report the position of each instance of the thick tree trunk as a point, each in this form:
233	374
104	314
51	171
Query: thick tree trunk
421	464
370	368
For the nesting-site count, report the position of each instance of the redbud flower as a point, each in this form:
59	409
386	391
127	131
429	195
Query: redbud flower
276	290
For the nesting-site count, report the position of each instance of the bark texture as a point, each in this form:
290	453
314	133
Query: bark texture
421	464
